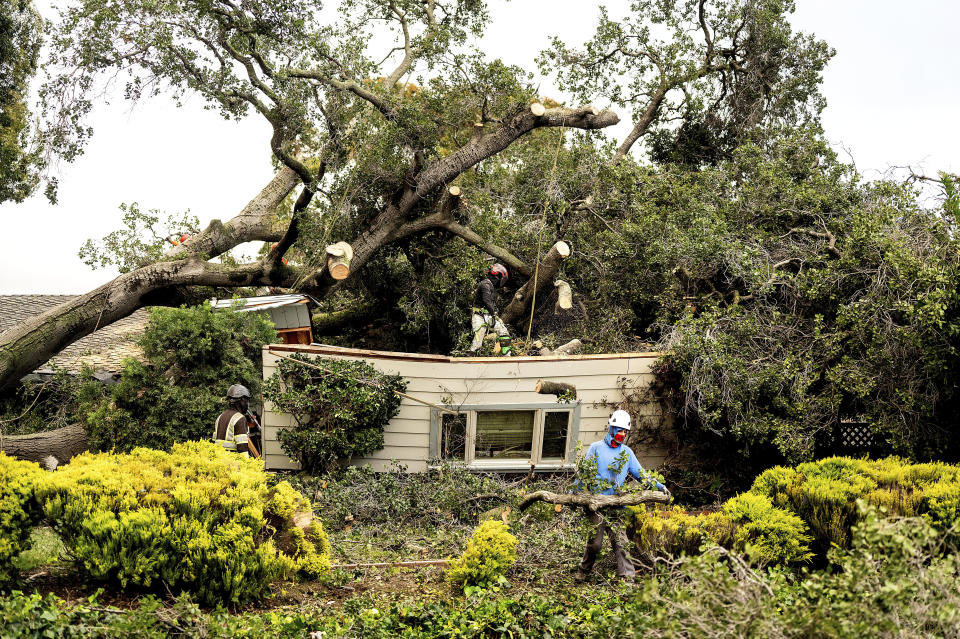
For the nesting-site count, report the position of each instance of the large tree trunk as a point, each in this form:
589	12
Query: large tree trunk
33	342
543	281
60	444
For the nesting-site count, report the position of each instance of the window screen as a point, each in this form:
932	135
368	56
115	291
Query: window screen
453	436
506	434
555	434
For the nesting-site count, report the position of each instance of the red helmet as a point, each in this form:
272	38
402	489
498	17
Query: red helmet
501	270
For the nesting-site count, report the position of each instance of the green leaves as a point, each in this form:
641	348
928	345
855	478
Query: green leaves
193	355
340	406
141	242
198	519
488	555
21	31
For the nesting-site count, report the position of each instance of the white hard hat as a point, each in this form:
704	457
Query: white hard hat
620	419
238	391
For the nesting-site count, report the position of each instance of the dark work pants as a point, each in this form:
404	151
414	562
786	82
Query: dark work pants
618	540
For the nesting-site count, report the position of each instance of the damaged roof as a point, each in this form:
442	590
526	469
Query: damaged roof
102	350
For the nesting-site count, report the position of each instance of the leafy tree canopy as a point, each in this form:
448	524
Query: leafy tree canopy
21	29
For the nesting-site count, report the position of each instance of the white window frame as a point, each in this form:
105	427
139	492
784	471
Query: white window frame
536	460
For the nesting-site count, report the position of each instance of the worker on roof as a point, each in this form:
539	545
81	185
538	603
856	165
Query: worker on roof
614	462
485	311
232	428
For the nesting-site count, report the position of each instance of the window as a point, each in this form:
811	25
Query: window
453	436
506	437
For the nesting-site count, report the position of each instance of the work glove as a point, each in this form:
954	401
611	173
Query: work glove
662	488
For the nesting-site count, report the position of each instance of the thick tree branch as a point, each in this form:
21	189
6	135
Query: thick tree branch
643	124
594	502
257	221
511	261
377	101
392	222
542	279
33	342
444	170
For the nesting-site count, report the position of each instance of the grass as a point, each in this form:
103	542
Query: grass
45	549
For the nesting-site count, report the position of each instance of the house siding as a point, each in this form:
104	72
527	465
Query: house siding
472	381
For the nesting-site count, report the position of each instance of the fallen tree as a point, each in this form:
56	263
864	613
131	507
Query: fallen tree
342	121
593	502
317	98
61	444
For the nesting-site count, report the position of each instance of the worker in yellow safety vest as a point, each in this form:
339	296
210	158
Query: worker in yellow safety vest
232	430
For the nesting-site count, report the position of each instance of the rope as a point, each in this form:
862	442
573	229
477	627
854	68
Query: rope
362	381
543	223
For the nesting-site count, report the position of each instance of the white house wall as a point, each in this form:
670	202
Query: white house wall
472	381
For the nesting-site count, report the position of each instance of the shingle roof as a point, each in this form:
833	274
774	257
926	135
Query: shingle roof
102	350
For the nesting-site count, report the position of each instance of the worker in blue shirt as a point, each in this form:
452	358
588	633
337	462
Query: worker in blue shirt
614	462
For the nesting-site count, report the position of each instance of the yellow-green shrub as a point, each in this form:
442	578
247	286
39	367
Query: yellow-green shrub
18	510
674	532
765	533
489	554
198	519
825	493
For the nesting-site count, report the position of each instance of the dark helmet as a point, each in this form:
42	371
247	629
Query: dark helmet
500	271
238	391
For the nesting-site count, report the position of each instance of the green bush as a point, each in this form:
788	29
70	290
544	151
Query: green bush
893	581
489	554
192	356
767	534
897	579
198	519
656	532
749	523
825	493
340	408
18	510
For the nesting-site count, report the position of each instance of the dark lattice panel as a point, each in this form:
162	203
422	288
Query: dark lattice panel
855	436
850	438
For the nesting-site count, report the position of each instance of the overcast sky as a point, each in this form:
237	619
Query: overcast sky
892	91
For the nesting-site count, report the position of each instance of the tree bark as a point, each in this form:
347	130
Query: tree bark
62	444
546	387
543	279
594	502
33	342
257	221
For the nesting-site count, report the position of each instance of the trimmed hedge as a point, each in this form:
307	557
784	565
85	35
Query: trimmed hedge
824	493
198	519
791	514
18	510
